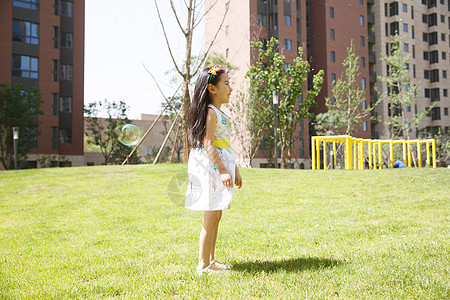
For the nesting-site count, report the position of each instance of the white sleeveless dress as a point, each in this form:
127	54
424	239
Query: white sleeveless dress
205	189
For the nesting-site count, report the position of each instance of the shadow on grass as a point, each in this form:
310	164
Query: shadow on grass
289	265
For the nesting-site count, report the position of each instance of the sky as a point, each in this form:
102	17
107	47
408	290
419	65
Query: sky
121	36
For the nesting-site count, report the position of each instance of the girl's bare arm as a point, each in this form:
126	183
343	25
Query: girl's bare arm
208	143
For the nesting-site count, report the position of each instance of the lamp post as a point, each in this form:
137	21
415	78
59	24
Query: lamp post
276	100
16	144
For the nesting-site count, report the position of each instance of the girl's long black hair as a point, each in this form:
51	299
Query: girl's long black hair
199	107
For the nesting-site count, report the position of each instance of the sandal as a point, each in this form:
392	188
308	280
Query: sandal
221	265
209	269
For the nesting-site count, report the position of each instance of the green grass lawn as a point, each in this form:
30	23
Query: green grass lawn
114	232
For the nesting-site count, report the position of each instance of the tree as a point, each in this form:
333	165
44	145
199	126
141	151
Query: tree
272	72
104	132
442	139
174	137
19	107
193	18
346	108
401	93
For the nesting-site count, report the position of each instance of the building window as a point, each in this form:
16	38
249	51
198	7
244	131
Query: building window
25	66
332	12
55	70
361	20
413	33
445	93
364	104
432	20
288	44
435	113
66	40
405	27
444	55
446	111
363	62
365	125
412	12
66	72
444	74
434	75
443	37
227	53
434	57
361	2
442	19
55	37
25	32
414	71
404	7
65	104
333	78
361	40
332	34
333	56
54	104
363	83
66	9
262	20
434	94
65	136
394	28
287	20
30	4
405	47
432	38
54	138
393	9
413	51
55	7
386	29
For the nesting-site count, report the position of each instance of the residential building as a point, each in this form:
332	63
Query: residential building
42	45
332	26
425	28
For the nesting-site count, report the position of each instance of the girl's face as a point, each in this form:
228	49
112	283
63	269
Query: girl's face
222	90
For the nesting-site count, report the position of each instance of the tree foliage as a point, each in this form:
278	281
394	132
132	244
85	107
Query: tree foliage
19	107
272	72
104	132
345	110
401	94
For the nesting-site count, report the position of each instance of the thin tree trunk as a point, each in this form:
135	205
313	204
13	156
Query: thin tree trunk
175	143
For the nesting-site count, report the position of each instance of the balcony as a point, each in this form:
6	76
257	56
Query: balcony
371	18
372	57
373	97
371	37
372	77
374	117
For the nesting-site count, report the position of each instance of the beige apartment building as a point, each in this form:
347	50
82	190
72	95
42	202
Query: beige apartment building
425	25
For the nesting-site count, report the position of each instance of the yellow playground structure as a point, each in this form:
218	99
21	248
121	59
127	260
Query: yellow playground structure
360	153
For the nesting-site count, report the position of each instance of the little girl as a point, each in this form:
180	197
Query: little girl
211	167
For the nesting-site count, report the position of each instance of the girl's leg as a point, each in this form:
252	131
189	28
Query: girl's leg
211	220
213	244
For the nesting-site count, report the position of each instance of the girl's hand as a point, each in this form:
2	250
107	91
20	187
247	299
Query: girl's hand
238	180
227	179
